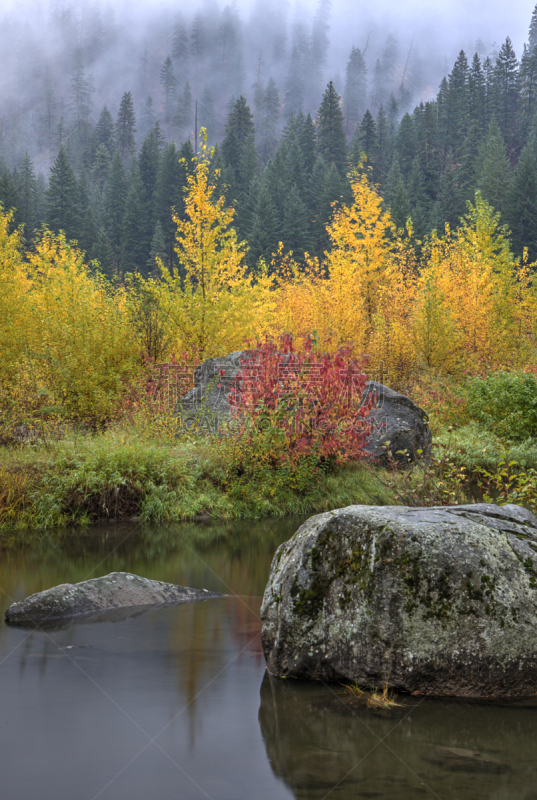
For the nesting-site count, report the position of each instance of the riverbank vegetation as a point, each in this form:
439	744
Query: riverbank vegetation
89	430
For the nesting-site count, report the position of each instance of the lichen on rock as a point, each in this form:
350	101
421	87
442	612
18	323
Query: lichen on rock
435	600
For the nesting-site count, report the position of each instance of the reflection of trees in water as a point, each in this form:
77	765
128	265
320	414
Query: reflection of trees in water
316	742
230	557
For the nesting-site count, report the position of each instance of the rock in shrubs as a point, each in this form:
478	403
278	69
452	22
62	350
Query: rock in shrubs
432	600
396	428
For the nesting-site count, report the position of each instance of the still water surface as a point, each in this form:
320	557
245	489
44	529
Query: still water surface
176	704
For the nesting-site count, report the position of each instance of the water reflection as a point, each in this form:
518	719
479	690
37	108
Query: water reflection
318	741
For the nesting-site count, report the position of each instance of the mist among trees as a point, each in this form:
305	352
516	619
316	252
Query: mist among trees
101	114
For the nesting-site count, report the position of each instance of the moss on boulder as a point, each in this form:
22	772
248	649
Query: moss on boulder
435	600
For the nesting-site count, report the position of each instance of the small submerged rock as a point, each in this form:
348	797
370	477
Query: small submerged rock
98	597
430	600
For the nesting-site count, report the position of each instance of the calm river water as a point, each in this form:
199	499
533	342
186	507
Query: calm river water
176	704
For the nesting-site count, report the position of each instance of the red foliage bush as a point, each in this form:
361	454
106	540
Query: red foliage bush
301	402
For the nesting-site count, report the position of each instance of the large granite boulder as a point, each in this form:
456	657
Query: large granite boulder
433	600
396	428
99	597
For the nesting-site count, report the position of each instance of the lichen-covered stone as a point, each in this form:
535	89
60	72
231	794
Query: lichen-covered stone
114	591
434	600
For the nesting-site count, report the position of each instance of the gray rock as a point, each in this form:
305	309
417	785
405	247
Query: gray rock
207	405
435	600
395	418
95	598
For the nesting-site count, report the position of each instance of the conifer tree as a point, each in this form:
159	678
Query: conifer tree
126	126
62	198
476	95
296	227
171	180
366	140
183	110
295	84
267	120
355	89
265	232
405	145
507	92
180	45
331	141
493	172
168	83
148	116
116	195
27	197
104	131
522	209
532	35
135	245
396	196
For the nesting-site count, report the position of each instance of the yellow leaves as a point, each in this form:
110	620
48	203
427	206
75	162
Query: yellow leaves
212	301
75	343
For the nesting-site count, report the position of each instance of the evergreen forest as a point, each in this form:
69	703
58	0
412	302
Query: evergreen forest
108	174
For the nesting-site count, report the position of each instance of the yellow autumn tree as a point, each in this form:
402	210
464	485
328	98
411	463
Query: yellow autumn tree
356	266
14	287
469	299
212	301
79	347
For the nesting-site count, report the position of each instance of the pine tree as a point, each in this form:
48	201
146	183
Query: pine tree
116	195
307	140
396	196
100	171
62	198
476	95
532	35
493	172
148	117
171	181
168	83
355	89
126	126
135	245
104	131
420	204
451	205
366	140
507	93
405	145
148	162
331	141
528	88
265	232
267	120
183	110
81	89
522	208
180	44
27	197
296	226
240	133
295	84
457	104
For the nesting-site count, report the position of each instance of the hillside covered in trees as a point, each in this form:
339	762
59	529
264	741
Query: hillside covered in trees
285	138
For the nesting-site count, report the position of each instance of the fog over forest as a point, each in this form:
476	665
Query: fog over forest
222	52
101	107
